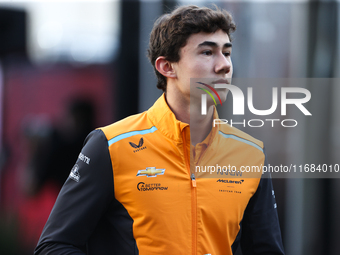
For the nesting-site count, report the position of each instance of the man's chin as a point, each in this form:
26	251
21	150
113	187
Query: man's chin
222	94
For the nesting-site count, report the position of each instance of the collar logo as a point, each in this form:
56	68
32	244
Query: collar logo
151	172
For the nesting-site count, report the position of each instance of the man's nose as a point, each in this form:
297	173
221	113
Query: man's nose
223	64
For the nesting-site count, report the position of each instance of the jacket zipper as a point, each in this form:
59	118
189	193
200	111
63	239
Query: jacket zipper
193	196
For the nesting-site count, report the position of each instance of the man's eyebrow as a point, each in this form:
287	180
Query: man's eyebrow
213	44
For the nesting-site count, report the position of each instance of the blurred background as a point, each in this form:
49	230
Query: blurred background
69	67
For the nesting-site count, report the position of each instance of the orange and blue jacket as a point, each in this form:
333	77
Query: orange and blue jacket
139	187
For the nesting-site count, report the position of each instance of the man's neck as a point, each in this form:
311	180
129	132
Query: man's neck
200	125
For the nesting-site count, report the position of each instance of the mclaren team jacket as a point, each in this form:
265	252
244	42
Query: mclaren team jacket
132	191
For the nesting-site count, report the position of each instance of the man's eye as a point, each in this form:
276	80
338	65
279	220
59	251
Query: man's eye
207	52
227	54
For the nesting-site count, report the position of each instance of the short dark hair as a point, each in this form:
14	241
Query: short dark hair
171	32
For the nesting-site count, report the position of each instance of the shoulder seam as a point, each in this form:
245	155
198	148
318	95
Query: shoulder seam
240	139
131	133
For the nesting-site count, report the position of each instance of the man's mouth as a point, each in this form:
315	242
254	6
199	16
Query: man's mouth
221	81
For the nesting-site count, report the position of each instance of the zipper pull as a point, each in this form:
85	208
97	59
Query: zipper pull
193	180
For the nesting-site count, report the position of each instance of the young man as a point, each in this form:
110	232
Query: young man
134	189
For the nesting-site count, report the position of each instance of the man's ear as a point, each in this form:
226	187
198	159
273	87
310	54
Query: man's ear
165	67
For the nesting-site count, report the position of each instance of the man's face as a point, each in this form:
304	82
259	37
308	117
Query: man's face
206	57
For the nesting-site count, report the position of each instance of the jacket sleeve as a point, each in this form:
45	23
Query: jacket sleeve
260	233
82	200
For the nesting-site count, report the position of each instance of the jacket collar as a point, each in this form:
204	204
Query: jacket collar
165	120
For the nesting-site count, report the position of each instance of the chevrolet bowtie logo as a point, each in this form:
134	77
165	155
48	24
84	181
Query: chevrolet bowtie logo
150	172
